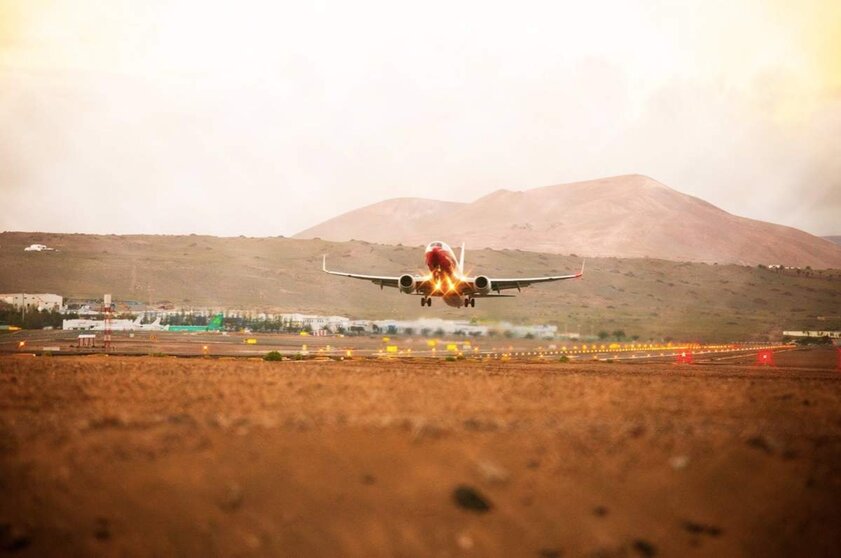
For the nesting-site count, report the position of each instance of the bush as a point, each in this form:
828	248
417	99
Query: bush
563	358
273	356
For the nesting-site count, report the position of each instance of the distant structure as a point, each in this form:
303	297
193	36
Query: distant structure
116	325
86	341
314	322
107	309
830	334
40	301
38	248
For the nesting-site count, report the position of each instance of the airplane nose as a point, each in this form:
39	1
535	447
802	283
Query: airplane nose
433	257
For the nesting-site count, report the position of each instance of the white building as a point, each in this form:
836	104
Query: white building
316	323
539	331
40	301
116	325
830	334
428	326
38	248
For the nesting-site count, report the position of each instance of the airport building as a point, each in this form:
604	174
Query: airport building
38	248
40	301
830	334
315	322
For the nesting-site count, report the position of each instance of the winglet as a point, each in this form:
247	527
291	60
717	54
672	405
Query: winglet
324	263
581	273
461	259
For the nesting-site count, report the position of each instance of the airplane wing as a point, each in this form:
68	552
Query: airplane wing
520	282
381	280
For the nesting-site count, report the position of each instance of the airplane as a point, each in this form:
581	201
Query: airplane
447	279
154	326
215	324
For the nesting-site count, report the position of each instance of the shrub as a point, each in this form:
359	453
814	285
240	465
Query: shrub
273	356
563	358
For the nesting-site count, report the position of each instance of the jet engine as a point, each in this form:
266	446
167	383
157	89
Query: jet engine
406	283
482	284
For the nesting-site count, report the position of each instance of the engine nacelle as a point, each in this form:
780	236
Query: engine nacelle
482	284
406	283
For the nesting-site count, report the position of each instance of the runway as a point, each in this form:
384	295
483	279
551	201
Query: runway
245	345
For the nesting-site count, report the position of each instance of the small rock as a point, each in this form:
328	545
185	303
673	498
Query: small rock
600	511
702	529
13	537
232	499
492	472
368	478
644	548
470	499
550	553
760	443
790	454
679	462
102	530
252	541
422	429
464	541
637	431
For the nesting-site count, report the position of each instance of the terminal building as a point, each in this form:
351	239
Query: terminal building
830	334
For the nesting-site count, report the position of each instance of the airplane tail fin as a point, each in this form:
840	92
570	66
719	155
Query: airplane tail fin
461	260
215	322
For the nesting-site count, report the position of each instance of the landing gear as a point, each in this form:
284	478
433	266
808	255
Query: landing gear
426	301
470	302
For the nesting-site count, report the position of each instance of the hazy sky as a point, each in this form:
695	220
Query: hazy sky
263	118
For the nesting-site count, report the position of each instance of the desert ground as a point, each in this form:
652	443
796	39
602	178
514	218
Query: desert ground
138	456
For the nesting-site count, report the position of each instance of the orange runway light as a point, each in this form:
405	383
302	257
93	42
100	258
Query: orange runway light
684	357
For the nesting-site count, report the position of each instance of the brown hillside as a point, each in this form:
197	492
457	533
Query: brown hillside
645	297
625	216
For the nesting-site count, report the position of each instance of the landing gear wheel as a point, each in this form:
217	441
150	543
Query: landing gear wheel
466	302
423	301
473	303
429	301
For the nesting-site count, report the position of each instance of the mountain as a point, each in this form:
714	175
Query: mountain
649	297
381	222
834	239
624	216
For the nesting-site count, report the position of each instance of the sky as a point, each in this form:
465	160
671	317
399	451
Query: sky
263	118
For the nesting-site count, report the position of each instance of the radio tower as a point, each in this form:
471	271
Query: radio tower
106	310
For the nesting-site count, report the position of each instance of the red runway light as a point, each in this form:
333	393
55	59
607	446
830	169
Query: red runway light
765	358
684	357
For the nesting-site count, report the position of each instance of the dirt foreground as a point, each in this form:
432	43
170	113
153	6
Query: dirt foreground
139	456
